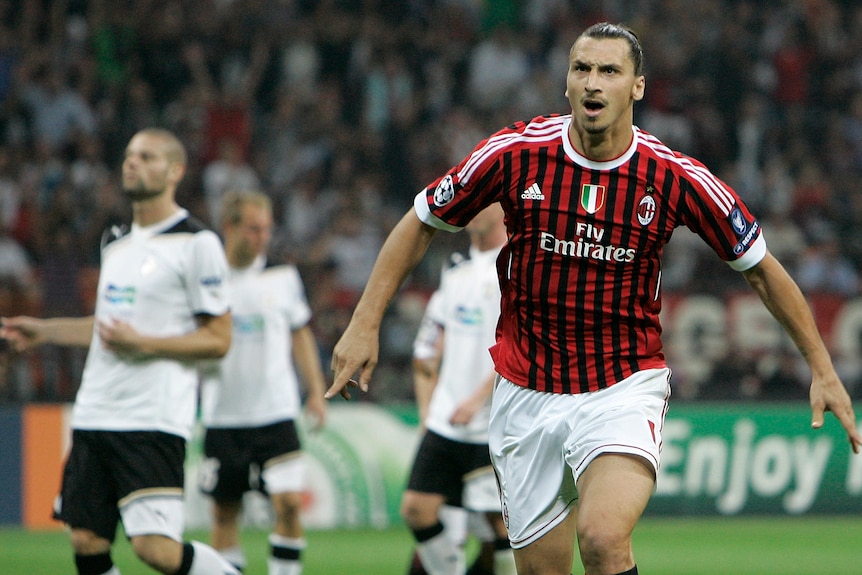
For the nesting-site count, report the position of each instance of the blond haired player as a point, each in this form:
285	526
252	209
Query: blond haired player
250	399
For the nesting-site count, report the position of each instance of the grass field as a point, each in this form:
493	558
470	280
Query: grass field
781	545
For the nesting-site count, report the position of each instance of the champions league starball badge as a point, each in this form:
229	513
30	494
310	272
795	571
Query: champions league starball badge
444	192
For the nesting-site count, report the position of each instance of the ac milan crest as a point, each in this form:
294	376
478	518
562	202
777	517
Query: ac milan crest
646	210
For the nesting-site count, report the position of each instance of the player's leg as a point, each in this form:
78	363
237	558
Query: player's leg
287	539
283	465
154	522
482	498
225	533
527	433
614	491
92	553
454	520
88	505
550	554
224	476
435	479
171	556
147	468
439	552
614	451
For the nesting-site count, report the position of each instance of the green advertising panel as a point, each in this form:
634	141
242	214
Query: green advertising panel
717	459
741	458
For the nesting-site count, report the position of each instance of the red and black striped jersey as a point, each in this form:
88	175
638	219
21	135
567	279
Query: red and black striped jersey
581	274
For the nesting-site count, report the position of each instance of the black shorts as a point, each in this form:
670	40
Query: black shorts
235	457
105	467
441	465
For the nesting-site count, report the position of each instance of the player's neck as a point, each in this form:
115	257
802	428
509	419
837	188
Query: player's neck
239	256
239	263
602	147
154	210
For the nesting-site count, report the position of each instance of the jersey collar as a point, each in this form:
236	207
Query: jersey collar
593	164
158	227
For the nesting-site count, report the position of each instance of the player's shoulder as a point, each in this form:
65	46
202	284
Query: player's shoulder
113	234
193	234
460	268
673	159
276	270
276	262
188	225
455	261
548	125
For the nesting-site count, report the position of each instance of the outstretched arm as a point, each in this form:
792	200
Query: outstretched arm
358	348
24	332
785	301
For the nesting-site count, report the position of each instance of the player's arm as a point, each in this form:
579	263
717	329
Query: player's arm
471	406
211	340
25	332
306	357
785	301
425	372
427	355
357	350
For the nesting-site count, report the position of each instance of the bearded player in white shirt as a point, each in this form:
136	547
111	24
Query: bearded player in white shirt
250	399
454	377
161	306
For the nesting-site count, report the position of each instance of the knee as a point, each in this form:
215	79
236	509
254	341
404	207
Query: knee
288	506
86	542
417	513
161	553
602	546
409	511
226	512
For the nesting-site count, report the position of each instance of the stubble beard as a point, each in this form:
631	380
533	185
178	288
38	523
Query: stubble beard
140	192
593	128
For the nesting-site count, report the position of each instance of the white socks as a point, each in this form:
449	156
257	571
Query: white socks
441	555
207	561
234	556
285	557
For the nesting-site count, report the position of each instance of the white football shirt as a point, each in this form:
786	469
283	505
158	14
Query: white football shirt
466	306
256	383
156	278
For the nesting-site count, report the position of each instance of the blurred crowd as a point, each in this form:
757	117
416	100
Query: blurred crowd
342	110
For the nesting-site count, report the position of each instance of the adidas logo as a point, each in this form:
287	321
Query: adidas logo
533	193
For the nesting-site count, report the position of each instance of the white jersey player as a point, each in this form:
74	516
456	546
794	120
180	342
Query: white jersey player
251	398
454	376
162	306
267	305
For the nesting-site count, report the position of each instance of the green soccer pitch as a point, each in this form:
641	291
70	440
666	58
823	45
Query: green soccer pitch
712	546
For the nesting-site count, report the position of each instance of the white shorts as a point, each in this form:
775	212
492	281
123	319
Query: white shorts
285	474
481	492
154	515
540	443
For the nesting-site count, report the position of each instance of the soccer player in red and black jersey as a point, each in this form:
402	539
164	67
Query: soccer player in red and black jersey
590	201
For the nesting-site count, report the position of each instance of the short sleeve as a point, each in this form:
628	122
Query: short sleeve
298	312
207	275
